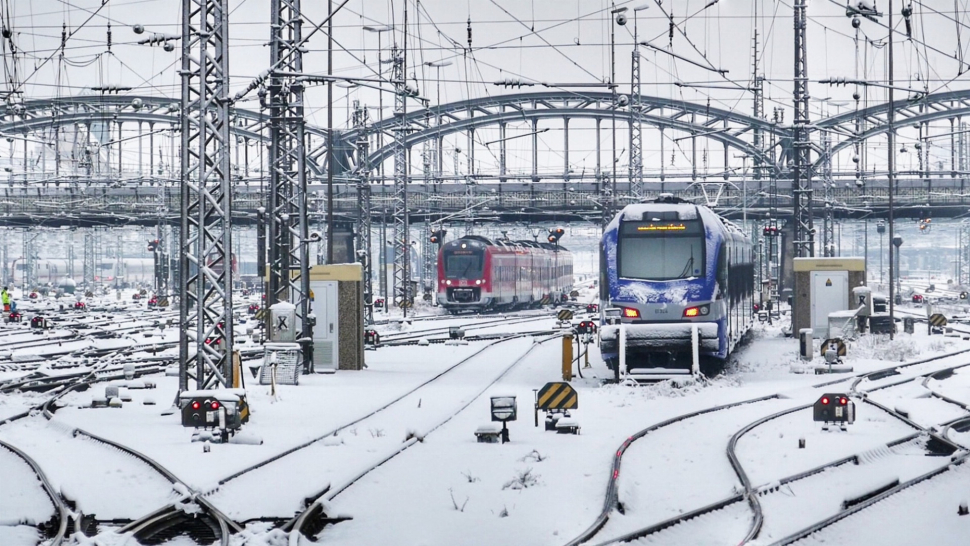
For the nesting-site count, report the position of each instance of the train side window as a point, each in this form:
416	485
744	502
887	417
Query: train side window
722	270
604	284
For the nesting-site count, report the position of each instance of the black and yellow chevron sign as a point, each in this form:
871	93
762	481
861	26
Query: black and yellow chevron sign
564	314
557	396
937	319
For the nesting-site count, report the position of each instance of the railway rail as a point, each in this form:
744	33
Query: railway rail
749	493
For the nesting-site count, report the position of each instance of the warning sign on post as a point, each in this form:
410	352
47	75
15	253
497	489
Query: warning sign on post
834	343
557	396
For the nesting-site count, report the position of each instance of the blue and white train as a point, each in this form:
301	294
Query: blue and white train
666	267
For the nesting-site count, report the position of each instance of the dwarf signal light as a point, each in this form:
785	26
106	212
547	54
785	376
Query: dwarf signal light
834	407
196	405
215	404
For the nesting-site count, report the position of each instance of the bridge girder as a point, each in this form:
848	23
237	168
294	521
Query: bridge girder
936	107
36	115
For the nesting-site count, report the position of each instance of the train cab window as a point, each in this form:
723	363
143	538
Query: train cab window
463	266
661	250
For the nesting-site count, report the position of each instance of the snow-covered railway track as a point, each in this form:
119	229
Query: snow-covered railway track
108	481
413	336
881	483
31	504
611	502
390	429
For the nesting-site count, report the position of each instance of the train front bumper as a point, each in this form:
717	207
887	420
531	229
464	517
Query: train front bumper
659	337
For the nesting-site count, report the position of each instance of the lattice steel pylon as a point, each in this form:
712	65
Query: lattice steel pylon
205	237
402	259
636	135
804	242
363	209
427	249
758	100
963	274
289	250
88	259
828	223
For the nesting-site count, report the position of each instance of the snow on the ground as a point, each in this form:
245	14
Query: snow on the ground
541	488
925	513
799	504
102	480
770	452
22	497
19	535
681	467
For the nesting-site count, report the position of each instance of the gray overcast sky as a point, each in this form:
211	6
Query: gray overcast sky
570	43
558	41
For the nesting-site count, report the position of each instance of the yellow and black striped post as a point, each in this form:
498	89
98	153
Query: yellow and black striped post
567	357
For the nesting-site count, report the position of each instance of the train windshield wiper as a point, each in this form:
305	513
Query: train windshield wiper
689	265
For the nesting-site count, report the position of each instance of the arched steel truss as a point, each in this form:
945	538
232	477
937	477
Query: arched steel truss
37	115
730	128
908	112
717	124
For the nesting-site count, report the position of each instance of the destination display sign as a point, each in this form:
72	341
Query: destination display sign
662	227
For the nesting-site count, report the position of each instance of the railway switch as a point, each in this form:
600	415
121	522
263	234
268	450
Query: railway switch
834	408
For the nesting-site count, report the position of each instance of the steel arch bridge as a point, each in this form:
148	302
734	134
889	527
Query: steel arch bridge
854	127
701	121
40	121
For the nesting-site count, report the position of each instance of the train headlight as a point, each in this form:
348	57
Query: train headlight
630	312
700	311
448	283
478	281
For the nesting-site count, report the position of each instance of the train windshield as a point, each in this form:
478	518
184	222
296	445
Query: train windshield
463	266
661	251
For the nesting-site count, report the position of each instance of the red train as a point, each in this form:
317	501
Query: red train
475	273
